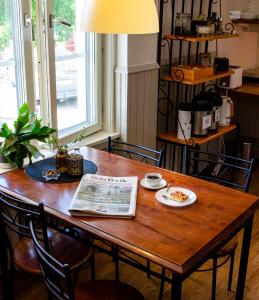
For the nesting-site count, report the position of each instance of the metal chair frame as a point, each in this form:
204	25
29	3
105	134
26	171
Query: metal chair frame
56	276
114	146
132	149
147	155
13	214
13	217
229	163
222	164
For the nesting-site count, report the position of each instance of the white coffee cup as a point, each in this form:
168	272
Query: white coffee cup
153	179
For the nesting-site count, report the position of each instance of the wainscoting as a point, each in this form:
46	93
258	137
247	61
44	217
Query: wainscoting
138	113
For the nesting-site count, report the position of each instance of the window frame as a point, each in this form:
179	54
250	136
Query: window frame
47	74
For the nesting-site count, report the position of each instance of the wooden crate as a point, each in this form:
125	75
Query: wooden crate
191	72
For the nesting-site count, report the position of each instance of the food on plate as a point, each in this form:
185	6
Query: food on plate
178	196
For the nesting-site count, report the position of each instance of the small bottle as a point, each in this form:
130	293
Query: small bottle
61	160
75	163
178	24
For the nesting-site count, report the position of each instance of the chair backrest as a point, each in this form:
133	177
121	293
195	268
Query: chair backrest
13	214
227	170
132	151
56	275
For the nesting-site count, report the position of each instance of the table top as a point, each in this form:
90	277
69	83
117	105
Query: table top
176	238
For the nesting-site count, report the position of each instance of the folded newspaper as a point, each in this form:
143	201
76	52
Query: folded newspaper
103	196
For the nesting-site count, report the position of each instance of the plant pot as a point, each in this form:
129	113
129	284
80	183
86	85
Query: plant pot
4	164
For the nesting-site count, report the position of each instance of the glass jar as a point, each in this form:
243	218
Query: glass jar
182	24
75	163
61	160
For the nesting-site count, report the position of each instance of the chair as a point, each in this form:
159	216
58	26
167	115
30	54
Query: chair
57	279
136	152
13	219
226	170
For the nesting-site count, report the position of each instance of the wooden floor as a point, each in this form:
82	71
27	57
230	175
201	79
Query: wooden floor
197	287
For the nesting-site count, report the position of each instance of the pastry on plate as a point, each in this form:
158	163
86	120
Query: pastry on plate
178	196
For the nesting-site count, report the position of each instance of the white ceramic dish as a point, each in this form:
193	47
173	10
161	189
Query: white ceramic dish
156	187
162	197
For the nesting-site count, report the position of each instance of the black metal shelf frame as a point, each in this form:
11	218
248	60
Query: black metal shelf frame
167	107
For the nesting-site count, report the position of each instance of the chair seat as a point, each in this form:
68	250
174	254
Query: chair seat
106	290
63	247
226	249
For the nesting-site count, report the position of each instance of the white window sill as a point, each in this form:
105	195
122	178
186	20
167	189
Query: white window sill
98	138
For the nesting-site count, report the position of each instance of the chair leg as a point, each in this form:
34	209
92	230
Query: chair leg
148	268
231	268
92	266
214	279
11	279
162	285
50	297
7	280
116	261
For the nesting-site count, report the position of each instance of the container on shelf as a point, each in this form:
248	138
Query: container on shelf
183	24
75	163
201	117
191	72
205	59
184	126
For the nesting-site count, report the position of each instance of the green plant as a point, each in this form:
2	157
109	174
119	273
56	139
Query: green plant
17	142
64	147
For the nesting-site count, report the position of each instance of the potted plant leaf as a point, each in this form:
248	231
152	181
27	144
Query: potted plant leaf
16	144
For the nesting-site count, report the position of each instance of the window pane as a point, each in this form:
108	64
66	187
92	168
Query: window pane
8	103
73	94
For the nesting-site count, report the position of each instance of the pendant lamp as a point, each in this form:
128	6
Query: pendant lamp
120	17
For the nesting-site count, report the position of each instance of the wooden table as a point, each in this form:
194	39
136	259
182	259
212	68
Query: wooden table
179	239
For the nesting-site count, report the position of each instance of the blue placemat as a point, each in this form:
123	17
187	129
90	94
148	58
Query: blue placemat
35	171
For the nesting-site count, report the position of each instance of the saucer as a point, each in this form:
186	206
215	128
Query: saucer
156	187
162	197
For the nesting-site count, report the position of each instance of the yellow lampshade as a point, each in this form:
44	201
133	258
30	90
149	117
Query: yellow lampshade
120	16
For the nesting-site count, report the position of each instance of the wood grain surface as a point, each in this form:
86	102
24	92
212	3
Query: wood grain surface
176	238
171	136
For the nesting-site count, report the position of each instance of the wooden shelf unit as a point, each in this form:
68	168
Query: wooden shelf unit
196	39
250	88
244	21
218	75
171	136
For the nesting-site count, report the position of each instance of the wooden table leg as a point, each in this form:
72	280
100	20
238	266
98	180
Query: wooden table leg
244	258
176	289
7	294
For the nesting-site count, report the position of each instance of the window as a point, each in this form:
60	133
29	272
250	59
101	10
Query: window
11	78
46	60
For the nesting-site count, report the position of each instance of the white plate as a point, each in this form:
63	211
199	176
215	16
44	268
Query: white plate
156	187
191	197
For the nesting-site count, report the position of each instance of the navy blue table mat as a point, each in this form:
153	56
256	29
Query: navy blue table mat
35	171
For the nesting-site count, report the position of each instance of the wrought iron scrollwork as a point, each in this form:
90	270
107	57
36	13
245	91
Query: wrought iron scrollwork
165	102
165	42
229	27
177	76
180	37
190	141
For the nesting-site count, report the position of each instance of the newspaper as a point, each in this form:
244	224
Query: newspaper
99	195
